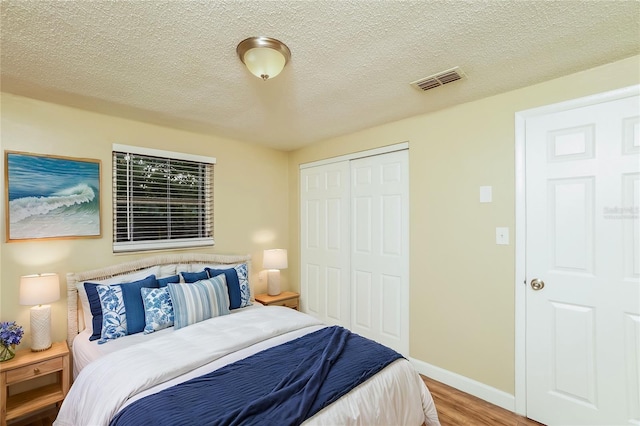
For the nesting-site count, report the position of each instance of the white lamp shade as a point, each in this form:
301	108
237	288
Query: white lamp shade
264	61
275	259
39	289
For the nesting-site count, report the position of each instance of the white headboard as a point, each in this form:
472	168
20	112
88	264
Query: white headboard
74	310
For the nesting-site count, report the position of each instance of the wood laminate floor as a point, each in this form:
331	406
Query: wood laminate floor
456	408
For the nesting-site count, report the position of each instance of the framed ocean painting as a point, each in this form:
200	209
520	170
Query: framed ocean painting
51	197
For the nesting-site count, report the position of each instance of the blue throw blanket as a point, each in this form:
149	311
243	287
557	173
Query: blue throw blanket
283	385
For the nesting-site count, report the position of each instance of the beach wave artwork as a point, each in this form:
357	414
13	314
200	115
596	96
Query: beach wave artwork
52	197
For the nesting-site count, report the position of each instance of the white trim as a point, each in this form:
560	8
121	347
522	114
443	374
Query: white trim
520	240
598	98
129	246
360	154
465	384
520	266
162	153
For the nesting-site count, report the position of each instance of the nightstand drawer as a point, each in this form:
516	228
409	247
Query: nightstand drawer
287	299
290	303
34	370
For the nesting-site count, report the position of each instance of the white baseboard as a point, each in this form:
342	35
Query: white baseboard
465	384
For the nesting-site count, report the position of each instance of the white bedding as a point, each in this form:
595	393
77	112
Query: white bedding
396	395
85	351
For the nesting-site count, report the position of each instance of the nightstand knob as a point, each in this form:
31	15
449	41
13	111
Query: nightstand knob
36	371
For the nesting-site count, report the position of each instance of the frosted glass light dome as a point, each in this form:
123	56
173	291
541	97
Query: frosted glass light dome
264	57
264	62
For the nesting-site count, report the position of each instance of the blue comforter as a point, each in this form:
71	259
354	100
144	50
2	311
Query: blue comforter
283	385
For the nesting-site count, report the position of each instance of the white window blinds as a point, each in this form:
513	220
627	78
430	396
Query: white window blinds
161	199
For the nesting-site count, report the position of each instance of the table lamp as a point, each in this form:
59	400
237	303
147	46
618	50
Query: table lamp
274	260
38	290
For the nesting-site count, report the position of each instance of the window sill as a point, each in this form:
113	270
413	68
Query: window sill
161	245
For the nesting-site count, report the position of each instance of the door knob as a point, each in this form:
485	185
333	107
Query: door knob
537	284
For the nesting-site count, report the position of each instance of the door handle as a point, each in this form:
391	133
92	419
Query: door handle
537	284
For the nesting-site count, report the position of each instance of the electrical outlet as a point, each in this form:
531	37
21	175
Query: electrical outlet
502	236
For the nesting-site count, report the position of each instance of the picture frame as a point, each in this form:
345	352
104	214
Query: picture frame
51	197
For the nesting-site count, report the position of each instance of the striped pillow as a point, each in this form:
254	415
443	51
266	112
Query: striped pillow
199	301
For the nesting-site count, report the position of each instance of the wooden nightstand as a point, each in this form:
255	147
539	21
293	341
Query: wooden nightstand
27	366
286	298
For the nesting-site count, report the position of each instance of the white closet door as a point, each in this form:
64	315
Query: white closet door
325	274
380	249
354	218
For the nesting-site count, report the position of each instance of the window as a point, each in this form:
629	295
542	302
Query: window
161	199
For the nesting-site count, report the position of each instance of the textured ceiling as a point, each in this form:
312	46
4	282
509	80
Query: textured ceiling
174	62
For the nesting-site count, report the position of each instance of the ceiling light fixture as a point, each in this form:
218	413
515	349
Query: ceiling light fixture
264	57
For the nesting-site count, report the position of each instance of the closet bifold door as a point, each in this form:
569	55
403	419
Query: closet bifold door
354	245
324	242
380	249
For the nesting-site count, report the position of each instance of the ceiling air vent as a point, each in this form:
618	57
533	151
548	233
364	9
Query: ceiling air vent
439	79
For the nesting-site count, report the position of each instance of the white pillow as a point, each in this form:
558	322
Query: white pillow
167	270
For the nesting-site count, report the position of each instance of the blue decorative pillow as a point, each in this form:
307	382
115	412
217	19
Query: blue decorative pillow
192	277
162	282
133	303
96	310
114	319
199	301
245	290
233	285
132	298
158	309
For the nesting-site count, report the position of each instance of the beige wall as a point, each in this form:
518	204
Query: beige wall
251	186
462	298
462	283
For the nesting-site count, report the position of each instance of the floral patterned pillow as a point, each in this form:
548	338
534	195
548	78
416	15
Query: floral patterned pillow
114	318
158	309
245	290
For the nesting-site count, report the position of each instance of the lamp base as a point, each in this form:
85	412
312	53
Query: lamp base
40	328
273	282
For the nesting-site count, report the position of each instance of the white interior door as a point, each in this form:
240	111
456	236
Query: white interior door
380	249
582	242
325	232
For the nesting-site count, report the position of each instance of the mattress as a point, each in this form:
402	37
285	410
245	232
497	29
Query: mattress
395	395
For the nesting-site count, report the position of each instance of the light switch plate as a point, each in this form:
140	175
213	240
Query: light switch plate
486	195
502	236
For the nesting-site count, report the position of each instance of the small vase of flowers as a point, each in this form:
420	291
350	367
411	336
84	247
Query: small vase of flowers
10	336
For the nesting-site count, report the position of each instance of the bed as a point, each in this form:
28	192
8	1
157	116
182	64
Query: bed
222	358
